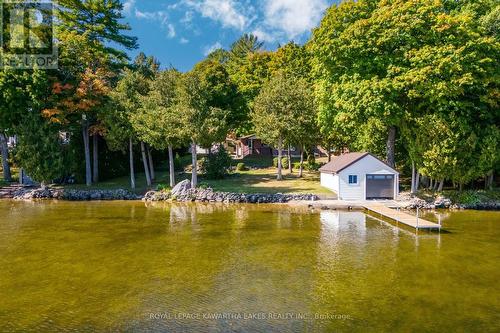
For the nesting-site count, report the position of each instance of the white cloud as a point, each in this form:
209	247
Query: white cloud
228	12
210	48
171	30
127	6
188	17
265	36
293	17
160	16
183	40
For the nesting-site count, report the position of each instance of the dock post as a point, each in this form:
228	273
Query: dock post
417	218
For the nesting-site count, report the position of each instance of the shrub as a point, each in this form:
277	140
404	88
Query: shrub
203	185
284	162
312	166
241	167
216	166
162	187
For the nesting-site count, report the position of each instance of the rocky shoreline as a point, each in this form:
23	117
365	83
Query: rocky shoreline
409	201
183	192
73	195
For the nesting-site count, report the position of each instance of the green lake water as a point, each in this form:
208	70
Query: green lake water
132	267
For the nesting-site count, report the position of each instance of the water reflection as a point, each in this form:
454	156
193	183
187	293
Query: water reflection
106	266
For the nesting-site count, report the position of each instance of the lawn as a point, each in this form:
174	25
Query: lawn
14	172
264	181
260	179
252	181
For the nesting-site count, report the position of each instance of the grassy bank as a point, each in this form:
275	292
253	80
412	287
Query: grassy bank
251	181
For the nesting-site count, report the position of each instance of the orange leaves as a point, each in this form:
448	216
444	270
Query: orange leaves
82	96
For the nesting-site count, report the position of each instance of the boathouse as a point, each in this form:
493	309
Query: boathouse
360	176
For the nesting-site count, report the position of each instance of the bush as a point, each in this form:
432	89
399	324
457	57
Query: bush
162	187
216	166
284	162
203	185
241	167
312	166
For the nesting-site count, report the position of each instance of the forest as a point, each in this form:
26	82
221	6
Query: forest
416	83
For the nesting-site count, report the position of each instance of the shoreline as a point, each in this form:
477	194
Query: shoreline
183	193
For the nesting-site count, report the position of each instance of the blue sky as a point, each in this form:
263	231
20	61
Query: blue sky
181	32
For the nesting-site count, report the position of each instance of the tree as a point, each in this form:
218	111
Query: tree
293	60
203	120
20	91
125	101
91	26
396	61
245	45
156	121
39	149
282	99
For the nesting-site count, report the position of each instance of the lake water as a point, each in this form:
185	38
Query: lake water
128	266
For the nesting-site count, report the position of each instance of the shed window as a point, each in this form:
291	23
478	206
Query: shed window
353	179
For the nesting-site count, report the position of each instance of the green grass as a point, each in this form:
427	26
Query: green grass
260	180
252	181
162	179
264	181
14	172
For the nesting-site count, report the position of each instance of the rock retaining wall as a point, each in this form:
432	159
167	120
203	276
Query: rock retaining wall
208	195
73	195
184	192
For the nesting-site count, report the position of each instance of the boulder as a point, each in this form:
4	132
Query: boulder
181	188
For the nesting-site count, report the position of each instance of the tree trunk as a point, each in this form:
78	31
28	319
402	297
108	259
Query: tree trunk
131	161
194	172
391	146
460	186
290	166
329	153
280	148
171	167
151	165
4	149
86	147
145	162
417	181
431	184
488	181
95	158
441	184
413	178
301	164
21	176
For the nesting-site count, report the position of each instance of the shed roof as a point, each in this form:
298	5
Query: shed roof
341	162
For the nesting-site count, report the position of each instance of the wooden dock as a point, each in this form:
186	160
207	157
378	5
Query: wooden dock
402	217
